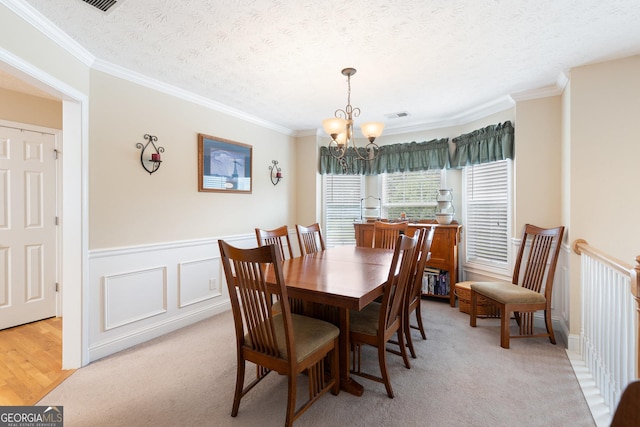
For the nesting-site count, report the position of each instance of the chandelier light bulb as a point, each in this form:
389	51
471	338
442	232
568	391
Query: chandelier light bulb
341	139
334	126
372	130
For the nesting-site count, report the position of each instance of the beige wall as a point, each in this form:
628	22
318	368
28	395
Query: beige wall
605	148
537	192
128	206
308	183
21	108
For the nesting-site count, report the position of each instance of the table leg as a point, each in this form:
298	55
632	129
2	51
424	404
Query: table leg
347	383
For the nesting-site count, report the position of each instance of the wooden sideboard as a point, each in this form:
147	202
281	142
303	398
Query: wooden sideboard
444	248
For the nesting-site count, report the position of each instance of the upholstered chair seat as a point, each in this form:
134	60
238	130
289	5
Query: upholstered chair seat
309	335
508	293
366	321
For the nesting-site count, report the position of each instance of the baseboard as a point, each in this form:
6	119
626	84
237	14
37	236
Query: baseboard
139	336
599	411
574	345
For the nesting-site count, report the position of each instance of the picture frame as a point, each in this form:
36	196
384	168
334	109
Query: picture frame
224	166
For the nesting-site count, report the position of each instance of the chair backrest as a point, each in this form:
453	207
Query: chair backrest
400	274
414	290
245	271
310	238
385	234
541	259
628	410
278	237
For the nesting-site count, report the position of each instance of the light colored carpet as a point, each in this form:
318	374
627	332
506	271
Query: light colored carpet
462	377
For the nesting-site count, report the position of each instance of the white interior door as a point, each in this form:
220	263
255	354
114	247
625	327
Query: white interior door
27	226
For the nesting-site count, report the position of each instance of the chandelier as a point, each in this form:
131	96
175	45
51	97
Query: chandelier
340	128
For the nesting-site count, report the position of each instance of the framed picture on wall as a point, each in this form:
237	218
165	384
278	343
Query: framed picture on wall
223	165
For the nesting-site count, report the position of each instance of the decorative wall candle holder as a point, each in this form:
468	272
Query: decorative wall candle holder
153	159
276	172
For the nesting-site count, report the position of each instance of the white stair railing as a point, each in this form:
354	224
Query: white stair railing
609	330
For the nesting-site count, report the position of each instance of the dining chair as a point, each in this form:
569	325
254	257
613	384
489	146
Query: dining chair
627	411
377	323
524	295
284	342
385	234
279	237
310	238
413	294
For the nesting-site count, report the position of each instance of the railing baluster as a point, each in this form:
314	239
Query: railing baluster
609	330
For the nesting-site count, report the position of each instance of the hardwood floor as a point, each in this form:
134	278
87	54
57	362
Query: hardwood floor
31	361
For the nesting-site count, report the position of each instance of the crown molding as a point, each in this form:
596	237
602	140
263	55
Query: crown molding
142	80
46	27
543	92
475	113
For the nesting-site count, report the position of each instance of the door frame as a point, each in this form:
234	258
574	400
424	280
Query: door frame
73	209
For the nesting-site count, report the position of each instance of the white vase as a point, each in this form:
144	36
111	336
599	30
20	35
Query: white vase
445	210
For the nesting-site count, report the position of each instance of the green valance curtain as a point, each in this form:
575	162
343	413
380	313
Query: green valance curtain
331	166
407	157
485	145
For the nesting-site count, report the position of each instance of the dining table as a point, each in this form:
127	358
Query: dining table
344	277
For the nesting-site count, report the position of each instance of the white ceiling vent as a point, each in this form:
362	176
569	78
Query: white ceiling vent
396	115
106	6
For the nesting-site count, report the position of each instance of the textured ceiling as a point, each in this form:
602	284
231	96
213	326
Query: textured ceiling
280	60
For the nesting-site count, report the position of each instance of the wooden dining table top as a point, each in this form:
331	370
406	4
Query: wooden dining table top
343	276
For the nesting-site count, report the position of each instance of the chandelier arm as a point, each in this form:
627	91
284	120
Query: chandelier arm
371	145
341	114
336	150
371	149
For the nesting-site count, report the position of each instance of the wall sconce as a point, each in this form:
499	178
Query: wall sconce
276	172
155	159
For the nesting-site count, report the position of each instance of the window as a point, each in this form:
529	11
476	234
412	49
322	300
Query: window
413	193
487	219
342	194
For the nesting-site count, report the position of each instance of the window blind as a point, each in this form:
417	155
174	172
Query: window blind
342	194
487	213
413	193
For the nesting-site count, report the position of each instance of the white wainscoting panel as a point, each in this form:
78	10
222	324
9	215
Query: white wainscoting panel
198	281
139	293
134	296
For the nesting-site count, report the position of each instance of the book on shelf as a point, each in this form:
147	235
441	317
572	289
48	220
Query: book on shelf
435	281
